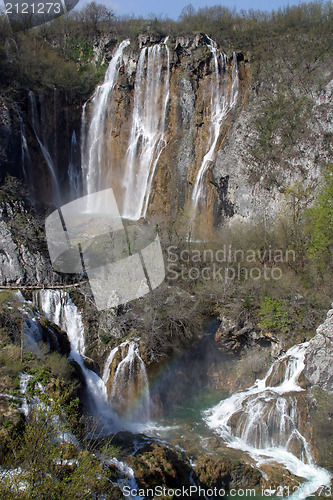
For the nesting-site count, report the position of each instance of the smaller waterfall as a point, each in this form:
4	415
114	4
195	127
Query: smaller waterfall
129	388
224	96
25	156
147	137
55	131
38	126
74	172
60	309
265	421
130	377
93	136
127	479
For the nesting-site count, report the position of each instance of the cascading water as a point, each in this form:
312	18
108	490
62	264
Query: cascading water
264	421
93	135
38	126
130	377
74	172
25	156
223	99
60	309
147	138
129	387
55	130
147	132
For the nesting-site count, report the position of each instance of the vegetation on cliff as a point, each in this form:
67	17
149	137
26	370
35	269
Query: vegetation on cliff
294	39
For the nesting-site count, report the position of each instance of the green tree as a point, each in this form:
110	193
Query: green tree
320	224
272	316
45	465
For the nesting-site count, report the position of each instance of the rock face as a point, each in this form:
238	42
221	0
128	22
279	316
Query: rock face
39	141
20	264
240	183
319	355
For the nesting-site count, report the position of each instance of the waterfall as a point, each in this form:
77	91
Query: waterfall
25	156
93	135
58	307
130	377
264	421
74	173
54	145
223	99
147	137
130	382
147	130
38	126
127	479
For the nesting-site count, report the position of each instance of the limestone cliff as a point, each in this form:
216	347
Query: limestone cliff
277	134
23	256
319	355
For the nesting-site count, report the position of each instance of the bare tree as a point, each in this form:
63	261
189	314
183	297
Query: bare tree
94	13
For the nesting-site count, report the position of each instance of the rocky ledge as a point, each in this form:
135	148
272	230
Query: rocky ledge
319	356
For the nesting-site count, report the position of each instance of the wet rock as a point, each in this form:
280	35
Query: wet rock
55	337
276	476
92	365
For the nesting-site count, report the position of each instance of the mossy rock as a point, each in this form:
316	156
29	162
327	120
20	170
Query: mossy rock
217	472
157	465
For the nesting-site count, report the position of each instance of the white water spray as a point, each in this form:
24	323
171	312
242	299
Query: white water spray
147	130
38	125
147	138
264	421
130	380
60	309
93	135
223	99
74	173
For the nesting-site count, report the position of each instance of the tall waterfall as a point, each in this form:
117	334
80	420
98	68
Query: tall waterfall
93	134
264	421
38	125
129	389
147	138
224	96
147	131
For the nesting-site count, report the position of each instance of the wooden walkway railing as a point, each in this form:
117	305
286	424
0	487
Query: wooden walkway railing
40	287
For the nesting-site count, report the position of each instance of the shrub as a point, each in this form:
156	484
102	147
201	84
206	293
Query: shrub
320	225
272	316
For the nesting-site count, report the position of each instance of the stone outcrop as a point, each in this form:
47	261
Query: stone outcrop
319	356
19	264
254	192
